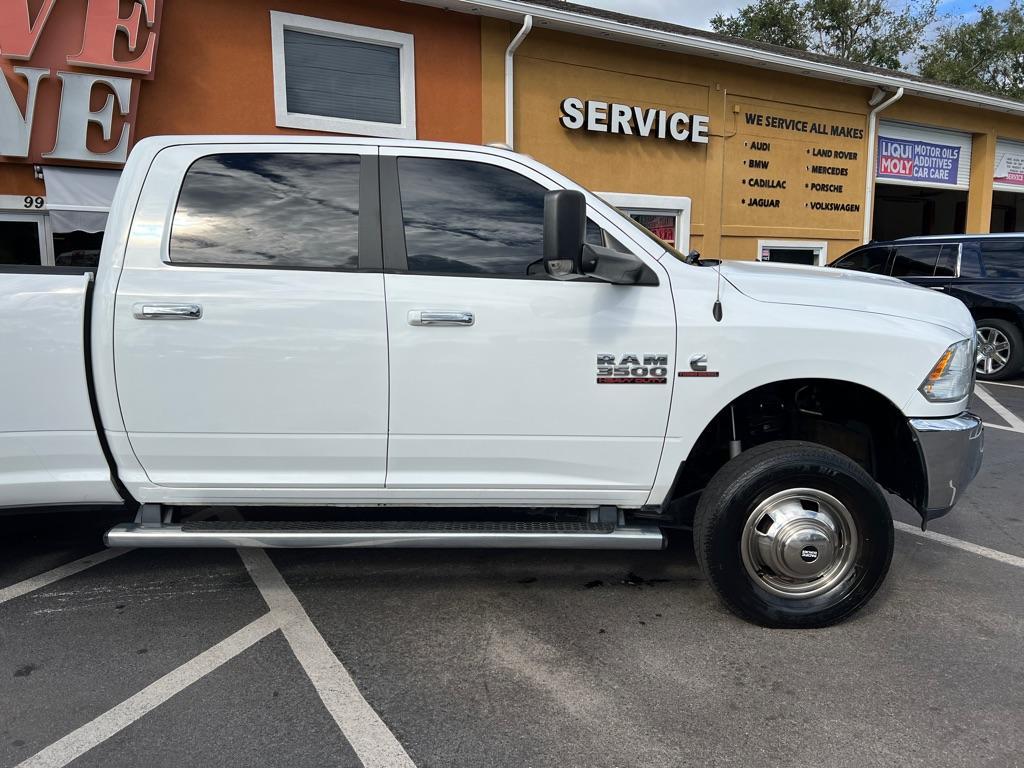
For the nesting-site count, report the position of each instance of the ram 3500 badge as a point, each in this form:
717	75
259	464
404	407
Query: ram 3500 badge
632	369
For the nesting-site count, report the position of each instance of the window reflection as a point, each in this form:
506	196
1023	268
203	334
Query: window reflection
463	217
269	210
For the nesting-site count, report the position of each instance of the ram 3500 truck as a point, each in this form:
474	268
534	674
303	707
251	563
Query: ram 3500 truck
343	323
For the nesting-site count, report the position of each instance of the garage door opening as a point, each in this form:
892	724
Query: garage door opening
904	211
1008	187
922	177
1007	212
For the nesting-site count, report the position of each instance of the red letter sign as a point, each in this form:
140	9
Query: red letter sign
18	35
102	23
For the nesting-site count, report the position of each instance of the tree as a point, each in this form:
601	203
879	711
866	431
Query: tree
865	31
781	22
986	54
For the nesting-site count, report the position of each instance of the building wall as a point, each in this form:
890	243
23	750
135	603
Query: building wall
19	179
829	154
213	73
222	81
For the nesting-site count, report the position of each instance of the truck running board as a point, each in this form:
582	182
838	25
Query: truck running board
393	534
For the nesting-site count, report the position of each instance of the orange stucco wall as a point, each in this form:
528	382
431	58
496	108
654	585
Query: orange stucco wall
19	180
214	71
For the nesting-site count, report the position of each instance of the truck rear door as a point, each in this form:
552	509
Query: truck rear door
249	334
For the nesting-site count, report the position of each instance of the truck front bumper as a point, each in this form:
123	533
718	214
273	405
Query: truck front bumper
951	451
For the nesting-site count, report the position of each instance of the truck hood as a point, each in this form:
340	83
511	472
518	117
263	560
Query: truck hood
846	289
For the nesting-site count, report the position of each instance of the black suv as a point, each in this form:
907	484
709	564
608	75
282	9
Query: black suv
986	272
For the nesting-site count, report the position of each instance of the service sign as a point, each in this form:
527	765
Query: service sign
69	77
923	161
610	117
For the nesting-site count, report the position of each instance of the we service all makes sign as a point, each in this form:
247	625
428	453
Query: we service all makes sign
921	161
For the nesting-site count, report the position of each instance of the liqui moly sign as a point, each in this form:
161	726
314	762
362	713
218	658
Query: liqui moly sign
913	160
70	76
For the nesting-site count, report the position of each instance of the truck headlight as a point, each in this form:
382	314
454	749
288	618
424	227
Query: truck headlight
952	376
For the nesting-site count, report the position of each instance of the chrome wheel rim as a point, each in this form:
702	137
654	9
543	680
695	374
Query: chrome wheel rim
993	350
799	543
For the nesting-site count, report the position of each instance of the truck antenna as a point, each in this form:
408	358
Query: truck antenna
716	310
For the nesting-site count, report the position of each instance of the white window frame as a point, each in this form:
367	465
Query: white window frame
822	245
666	205
280	21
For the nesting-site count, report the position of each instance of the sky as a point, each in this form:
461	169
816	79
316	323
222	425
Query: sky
697	14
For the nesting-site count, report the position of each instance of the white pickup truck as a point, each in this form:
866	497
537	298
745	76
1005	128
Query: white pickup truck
342	323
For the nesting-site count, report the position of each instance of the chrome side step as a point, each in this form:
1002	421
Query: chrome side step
387	534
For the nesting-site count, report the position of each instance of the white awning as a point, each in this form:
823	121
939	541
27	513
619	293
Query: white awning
79	198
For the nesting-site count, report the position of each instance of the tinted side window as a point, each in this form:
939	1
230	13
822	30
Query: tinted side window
970	260
869	260
915	260
269	210
1003	258
468	218
597	236
946	265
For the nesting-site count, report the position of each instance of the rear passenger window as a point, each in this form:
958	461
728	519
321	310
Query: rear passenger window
1003	258
869	260
948	256
970	260
915	260
297	211
468	218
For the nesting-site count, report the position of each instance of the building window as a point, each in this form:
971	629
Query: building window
342	78
23	239
666	216
811	252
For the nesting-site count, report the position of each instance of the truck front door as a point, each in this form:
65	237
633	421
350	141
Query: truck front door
250	336
508	386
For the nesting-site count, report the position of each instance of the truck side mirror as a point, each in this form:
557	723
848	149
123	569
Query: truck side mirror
565	224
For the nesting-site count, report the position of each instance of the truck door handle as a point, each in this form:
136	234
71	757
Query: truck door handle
440	317
168	311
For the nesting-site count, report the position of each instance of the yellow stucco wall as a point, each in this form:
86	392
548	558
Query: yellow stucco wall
766	128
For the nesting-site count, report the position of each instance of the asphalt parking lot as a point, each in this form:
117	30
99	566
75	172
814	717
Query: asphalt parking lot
510	658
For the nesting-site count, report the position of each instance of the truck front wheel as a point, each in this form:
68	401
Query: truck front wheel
793	534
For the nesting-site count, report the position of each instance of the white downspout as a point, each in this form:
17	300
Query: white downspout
869	179
510	52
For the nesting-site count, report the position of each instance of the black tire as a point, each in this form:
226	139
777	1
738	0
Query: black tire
1012	334
733	496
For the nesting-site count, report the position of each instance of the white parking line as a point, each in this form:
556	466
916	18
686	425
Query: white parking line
999	426
96	731
61	572
966	546
369	736
1003	384
1016	424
